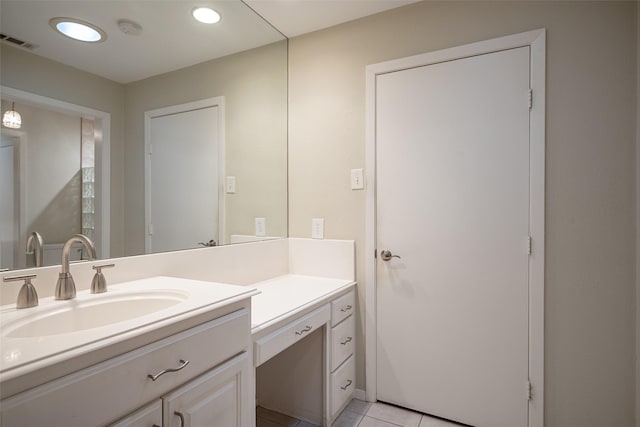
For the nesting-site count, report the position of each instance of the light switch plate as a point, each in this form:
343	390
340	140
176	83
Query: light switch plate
231	184
357	179
317	228
261	227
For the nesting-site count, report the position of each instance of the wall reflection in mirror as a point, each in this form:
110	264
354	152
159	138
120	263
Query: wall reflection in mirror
101	143
47	185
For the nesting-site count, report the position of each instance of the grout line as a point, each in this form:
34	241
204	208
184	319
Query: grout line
384	421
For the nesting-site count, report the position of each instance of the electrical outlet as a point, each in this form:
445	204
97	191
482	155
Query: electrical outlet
261	227
317	228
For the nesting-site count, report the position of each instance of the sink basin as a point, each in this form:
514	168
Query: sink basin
54	331
94	313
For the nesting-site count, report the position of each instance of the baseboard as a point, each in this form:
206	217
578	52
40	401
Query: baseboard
359	394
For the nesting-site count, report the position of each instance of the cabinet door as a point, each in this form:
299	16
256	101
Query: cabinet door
148	416
217	398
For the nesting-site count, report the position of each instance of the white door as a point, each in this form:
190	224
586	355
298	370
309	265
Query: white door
183	180
452	182
8	207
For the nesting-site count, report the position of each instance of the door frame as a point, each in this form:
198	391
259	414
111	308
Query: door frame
217	101
536	40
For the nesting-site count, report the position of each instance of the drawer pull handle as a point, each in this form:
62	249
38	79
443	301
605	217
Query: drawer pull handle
154	377
347	341
181	416
303	331
347	308
346	386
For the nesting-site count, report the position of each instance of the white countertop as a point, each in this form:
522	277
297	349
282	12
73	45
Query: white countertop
22	355
285	296
273	303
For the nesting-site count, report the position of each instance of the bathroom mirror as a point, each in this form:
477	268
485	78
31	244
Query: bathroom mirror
155	58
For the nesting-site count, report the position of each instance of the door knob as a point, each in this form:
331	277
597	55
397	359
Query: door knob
386	255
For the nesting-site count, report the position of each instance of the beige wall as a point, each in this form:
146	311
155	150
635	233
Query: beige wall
590	172
53	188
30	73
254	85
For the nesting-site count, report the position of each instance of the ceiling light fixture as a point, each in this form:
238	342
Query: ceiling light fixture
78	30
11	119
206	15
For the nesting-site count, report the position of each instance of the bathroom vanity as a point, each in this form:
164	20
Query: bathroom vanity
186	351
170	359
289	309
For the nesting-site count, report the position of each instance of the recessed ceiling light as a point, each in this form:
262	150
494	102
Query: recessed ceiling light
78	30
206	15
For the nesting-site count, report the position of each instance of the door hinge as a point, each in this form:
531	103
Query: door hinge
530	98
528	245
150	149
375	253
150	229
528	390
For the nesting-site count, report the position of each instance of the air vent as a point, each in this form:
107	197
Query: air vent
17	42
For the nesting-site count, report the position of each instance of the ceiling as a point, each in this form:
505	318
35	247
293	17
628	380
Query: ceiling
296	17
171	39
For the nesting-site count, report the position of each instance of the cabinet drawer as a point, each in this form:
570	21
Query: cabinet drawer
343	340
272	344
343	382
150	415
111	389
342	307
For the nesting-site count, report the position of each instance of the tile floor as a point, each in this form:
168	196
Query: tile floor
359	414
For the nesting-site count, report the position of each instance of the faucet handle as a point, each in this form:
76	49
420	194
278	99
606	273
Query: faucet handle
99	282
27	297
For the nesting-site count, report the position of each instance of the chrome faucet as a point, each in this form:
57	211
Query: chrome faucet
34	245
66	287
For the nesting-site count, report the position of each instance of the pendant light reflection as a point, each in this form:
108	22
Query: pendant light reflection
11	119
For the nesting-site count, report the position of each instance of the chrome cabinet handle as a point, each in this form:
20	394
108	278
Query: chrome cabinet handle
303	331
347	308
181	416
386	255
347	341
154	377
346	386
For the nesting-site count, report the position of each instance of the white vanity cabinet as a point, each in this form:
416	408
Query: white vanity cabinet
208	363
287	313
342	338
211	399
